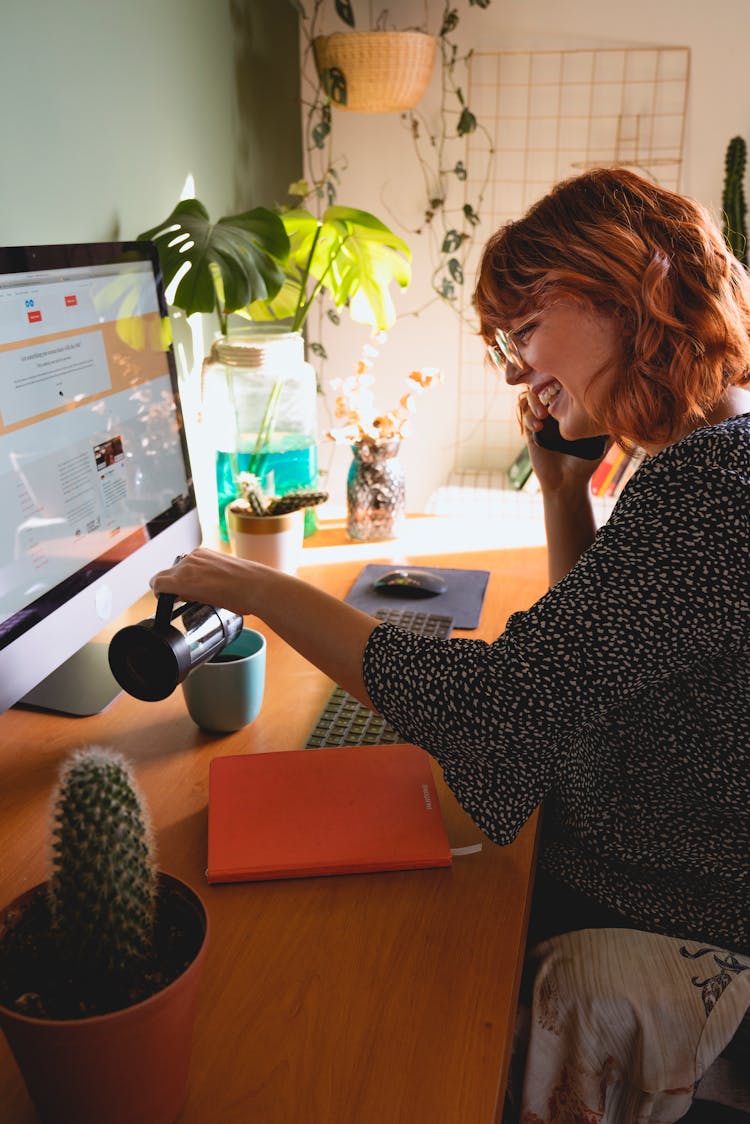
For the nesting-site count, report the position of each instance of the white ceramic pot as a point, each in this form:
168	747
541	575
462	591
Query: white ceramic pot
274	540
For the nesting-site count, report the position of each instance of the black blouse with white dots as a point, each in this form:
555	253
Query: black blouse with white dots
621	699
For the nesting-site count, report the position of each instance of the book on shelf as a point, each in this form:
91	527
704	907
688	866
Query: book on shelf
614	482
312	812
520	470
613	472
633	462
605	471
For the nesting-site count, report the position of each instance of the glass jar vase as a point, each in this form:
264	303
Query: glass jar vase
375	491
260	409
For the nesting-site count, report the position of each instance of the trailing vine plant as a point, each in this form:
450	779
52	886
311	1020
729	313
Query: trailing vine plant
321	190
439	147
451	226
451	216
318	96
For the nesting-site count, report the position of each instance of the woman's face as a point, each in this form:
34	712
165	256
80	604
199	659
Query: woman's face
572	356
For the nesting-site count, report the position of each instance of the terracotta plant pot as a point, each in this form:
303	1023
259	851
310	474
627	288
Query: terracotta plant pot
124	1067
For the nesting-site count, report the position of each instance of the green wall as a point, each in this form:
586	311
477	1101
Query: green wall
107	107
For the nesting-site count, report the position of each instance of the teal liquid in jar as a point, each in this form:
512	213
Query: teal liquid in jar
289	465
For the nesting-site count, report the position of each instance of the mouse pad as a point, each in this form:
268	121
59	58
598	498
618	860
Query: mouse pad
462	599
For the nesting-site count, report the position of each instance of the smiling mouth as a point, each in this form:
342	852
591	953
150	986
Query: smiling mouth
549	393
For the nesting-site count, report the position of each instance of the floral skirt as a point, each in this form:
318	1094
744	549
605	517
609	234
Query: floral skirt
622	1026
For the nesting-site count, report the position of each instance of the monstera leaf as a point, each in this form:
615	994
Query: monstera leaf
350	254
232	262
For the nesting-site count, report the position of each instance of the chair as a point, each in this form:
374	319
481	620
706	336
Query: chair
723	1095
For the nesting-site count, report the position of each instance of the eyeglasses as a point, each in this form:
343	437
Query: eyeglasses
505	353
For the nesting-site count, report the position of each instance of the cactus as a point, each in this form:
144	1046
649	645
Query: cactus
733	199
102	890
293	501
251	490
253	501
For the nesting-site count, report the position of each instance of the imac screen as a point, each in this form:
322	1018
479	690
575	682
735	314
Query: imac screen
95	485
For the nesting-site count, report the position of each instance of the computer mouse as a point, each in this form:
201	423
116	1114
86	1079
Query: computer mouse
410	583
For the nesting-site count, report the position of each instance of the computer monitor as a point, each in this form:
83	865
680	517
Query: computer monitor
96	492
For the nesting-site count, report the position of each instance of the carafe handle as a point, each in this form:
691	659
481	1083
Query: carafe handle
164	608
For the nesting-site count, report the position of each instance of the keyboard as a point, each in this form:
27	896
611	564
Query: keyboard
344	720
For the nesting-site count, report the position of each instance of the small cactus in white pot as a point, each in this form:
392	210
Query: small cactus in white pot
269	529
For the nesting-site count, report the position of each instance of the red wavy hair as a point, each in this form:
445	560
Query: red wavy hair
659	262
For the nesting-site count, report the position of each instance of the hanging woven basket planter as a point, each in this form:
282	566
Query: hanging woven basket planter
375	71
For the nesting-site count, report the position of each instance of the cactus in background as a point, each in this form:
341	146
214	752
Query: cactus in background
733	199
253	500
102	890
294	501
251	490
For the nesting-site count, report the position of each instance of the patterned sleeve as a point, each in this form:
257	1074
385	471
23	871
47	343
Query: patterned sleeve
664	586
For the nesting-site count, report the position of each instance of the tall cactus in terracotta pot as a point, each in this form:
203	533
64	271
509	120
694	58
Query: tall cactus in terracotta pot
99	966
102	891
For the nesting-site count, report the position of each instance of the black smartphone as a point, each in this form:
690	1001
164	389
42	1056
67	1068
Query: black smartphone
587	448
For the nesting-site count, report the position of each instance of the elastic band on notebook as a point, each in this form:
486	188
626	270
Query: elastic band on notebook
474	849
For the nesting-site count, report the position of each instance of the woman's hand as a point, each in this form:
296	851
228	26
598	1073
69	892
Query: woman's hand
215	579
326	631
555	471
564	481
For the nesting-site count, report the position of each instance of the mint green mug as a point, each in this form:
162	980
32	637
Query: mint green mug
225	693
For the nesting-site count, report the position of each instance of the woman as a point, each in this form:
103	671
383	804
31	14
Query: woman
620	699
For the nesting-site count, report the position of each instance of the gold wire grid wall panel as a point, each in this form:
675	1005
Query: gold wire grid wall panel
552	114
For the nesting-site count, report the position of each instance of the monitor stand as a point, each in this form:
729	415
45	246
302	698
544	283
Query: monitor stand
80	687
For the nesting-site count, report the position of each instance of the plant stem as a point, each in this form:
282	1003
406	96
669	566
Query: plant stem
221	313
301	314
300	311
266	426
233	458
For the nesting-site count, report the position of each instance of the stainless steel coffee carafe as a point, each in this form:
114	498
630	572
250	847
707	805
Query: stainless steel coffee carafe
151	658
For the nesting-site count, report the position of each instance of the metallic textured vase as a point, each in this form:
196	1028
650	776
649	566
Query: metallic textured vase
375	491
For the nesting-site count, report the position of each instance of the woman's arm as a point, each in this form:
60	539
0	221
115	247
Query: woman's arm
326	631
569	526
564	481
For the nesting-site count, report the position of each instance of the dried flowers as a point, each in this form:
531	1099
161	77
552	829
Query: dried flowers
355	409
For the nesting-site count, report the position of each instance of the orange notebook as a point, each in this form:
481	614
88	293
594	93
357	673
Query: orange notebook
311	812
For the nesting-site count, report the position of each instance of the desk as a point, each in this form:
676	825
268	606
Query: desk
376	999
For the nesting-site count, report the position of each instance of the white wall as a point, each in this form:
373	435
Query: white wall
382	174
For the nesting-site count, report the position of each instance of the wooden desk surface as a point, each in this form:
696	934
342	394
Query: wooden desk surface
372	998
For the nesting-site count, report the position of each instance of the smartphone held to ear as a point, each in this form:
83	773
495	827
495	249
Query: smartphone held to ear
587	448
